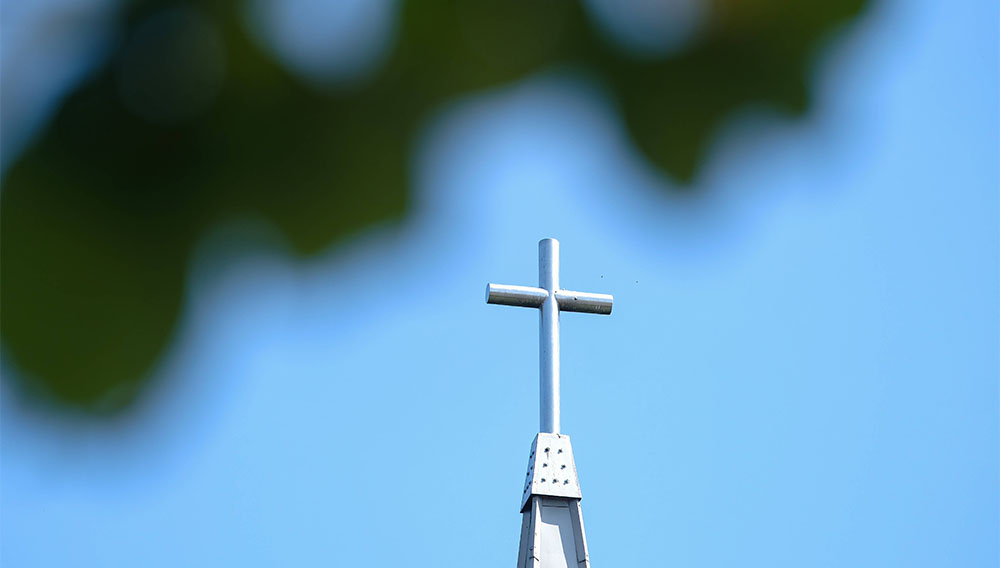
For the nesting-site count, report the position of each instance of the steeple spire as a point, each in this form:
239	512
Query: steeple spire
552	533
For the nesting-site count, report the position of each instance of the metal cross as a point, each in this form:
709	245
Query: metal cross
551	300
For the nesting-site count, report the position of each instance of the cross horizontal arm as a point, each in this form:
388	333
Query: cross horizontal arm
523	296
531	297
584	302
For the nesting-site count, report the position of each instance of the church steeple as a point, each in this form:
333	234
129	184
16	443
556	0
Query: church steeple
552	534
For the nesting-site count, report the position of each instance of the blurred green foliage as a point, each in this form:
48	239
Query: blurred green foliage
100	215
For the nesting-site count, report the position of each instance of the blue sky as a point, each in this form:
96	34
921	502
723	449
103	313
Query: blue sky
801	368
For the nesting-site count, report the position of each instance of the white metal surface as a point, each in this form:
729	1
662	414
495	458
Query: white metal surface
551	469
523	296
548	337
584	302
552	534
531	297
550	300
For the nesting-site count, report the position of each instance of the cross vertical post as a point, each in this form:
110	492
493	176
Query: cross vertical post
548	337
